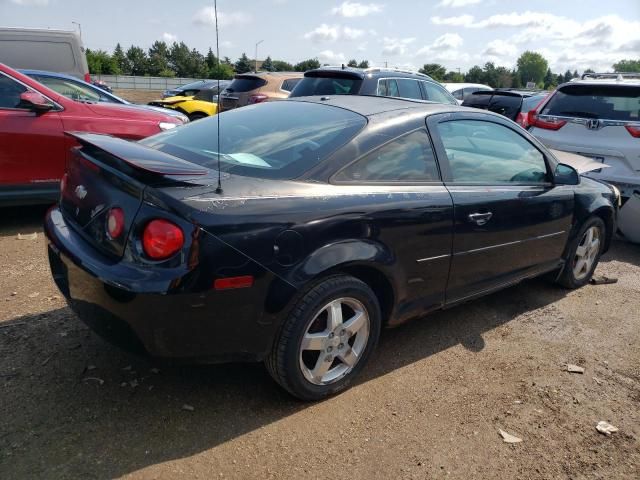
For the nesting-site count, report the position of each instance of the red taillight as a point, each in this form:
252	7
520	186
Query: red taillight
228	283
161	239
258	98
87	78
634	130
547	124
115	223
521	120
63	182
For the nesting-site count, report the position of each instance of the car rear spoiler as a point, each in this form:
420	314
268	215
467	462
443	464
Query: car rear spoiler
143	159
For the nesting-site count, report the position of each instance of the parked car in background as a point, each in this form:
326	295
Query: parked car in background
598	116
384	82
250	88
335	216
102	86
33	144
81	91
513	104
191	89
462	90
203	104
43	49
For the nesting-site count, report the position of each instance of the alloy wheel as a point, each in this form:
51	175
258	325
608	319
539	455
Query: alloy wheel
586	253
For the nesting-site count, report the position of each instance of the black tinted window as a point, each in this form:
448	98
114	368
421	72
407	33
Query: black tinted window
278	140
10	91
489	153
406	159
409	88
458	93
595	101
245	84
326	86
531	102
205	95
289	84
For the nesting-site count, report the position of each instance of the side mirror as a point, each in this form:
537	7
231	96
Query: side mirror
34	102
566	175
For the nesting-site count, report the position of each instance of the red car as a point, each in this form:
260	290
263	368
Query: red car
33	145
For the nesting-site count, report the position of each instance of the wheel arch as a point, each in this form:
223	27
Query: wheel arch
607	214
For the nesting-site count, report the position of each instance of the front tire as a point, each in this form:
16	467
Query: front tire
327	338
584	254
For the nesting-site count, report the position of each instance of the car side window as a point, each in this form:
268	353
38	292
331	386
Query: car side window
383	88
10	92
490	153
71	89
436	93
406	159
409	88
392	88
289	84
204	95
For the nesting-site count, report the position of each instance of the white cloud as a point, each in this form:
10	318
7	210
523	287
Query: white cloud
444	48
355	9
169	37
448	41
329	56
459	21
457	3
396	46
29	3
206	16
226	44
500	48
332	33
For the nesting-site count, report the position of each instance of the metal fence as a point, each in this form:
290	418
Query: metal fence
142	83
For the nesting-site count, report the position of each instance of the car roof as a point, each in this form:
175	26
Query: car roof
368	105
45	73
269	74
455	85
371	72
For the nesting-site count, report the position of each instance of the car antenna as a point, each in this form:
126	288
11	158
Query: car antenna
215	10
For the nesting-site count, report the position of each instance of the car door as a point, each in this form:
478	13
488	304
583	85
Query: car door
511	221
31	144
413	217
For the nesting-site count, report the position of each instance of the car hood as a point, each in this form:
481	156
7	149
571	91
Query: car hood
130	112
580	163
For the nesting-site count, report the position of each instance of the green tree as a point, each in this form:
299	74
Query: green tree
559	79
627	66
474	75
490	74
454	77
211	60
532	67
158	58
353	63
243	65
567	76
505	77
121	60
364	64
589	70
549	80
227	61
282	66
267	65
308	64
434	70
137	60
221	71
575	74
100	62
179	59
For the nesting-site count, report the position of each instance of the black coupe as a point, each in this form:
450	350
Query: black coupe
332	218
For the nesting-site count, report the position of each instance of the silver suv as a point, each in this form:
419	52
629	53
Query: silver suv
598	116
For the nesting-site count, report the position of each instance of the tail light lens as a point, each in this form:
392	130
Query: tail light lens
258	98
634	130
115	223
547	124
63	182
522	120
87	78
161	239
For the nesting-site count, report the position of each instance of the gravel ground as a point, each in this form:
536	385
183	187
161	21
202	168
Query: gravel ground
430	404
139	96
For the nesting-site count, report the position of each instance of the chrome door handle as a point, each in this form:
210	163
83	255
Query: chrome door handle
480	218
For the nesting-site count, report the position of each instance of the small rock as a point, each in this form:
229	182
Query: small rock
13	294
188	408
91	367
123	384
602	280
28	236
606	428
127	368
33	295
133	383
597	380
93	379
508	438
574	368
518	402
598	302
155	370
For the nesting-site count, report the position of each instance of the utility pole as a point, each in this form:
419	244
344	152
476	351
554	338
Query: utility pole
256	57
79	28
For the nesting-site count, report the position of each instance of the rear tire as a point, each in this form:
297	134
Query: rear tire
584	254
197	116
326	339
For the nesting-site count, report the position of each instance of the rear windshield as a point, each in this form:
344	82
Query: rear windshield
531	103
279	140
245	84
595	101
326	86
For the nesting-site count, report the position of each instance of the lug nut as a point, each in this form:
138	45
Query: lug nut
329	349
331	335
343	332
340	346
328	358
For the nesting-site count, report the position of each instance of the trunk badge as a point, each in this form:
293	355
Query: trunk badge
594	124
80	192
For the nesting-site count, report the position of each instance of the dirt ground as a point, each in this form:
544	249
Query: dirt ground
429	405
139	96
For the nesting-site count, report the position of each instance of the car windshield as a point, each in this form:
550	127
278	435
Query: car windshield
71	89
610	102
326	86
279	140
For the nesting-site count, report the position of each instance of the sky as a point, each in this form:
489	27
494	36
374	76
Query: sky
574	34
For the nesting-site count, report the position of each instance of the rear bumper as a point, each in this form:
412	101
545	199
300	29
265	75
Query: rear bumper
140	310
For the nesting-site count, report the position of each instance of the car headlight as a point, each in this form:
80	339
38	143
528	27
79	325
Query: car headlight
618	195
167	125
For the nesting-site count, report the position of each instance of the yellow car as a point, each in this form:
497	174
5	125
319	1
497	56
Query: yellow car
202	104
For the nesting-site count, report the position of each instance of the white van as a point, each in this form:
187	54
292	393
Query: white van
58	51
